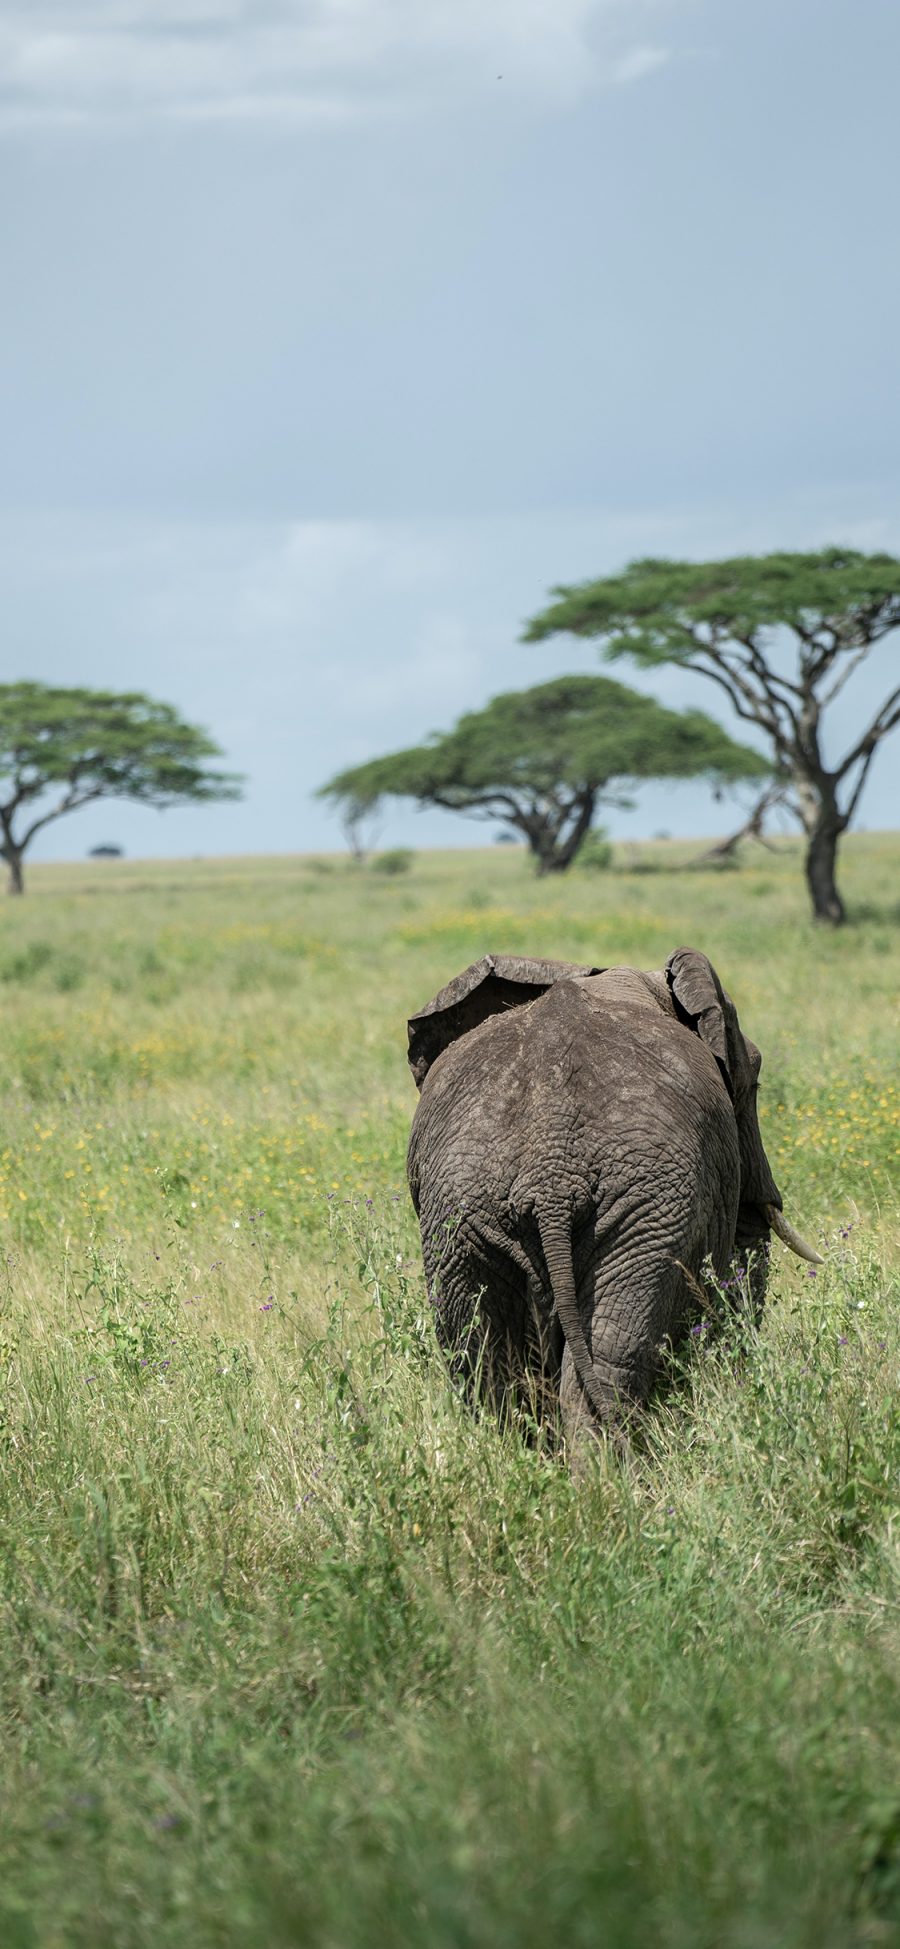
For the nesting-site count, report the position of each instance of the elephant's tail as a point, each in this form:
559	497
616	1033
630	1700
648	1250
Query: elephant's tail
556	1242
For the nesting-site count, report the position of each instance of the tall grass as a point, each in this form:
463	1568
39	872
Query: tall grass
292	1648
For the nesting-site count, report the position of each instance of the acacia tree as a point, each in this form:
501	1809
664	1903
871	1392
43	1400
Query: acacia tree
60	748
780	635
543	760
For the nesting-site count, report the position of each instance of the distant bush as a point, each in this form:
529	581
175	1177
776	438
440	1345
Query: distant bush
65	970
106	852
31	960
398	859
595	856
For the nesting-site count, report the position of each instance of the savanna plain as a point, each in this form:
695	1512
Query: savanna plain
296	1651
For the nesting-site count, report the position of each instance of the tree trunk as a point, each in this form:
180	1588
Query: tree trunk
554	854
823	823
542	842
821	862
13	858
545	860
584	809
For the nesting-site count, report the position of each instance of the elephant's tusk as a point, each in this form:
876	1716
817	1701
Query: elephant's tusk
789	1237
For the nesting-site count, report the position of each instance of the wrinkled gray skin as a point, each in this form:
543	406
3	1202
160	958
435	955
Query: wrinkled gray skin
574	1160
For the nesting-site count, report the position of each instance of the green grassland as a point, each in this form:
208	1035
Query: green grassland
293	1650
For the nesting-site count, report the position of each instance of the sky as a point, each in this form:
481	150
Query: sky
336	332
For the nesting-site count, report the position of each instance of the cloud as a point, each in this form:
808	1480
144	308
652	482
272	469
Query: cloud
639	61
72	62
313	569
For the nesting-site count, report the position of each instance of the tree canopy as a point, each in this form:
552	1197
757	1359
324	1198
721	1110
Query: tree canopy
543	760
61	748
780	635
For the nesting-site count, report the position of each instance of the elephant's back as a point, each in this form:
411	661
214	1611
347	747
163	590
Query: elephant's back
631	1056
472	1095
560	1081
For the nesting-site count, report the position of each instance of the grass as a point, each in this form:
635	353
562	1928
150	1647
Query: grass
294	1651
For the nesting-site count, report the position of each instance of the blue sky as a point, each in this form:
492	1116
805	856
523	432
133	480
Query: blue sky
336	332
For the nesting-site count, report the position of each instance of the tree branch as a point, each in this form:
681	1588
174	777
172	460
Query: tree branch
886	717
852	663
488	802
821	655
741	695
70	803
856	793
771	680
21	793
752	828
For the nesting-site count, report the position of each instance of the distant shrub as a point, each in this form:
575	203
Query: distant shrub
30	960
68	974
398	859
596	854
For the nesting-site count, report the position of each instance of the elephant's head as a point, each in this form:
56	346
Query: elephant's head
702	1004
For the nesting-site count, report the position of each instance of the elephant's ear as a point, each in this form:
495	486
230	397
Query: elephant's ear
701	1002
495	983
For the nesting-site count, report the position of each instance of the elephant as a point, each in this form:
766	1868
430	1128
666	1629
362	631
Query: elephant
584	1150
